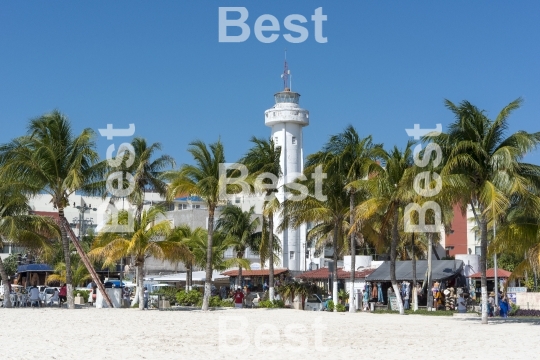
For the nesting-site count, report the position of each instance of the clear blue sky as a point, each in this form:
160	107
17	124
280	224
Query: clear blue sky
159	65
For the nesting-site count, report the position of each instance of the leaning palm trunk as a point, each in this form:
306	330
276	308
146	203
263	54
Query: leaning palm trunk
335	298
3	273
393	252
208	279
352	307
271	256
67	260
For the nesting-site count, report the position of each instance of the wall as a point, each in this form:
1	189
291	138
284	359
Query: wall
528	300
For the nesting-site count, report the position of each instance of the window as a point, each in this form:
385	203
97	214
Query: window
477	250
291	255
196	206
275	140
237	200
294	140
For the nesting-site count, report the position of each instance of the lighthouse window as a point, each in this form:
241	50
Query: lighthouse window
276	140
294	139
291	255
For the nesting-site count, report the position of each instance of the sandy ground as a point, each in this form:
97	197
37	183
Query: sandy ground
257	334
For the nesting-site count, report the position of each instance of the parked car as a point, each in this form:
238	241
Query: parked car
314	303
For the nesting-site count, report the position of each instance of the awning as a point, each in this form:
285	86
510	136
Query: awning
490	274
34	268
263	272
440	270
323	273
180	277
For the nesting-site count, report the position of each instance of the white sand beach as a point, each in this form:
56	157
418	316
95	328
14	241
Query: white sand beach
257	334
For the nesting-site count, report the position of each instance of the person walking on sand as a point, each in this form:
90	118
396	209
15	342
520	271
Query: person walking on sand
145	298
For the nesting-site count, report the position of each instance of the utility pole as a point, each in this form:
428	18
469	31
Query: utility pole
495	268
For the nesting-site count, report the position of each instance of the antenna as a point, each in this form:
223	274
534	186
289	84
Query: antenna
286	73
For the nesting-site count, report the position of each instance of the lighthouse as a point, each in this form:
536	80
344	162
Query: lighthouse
286	119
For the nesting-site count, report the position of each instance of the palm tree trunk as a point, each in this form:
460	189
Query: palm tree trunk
140	284
334	270
138	289
271	256
352	307
429	303
5	280
393	253
67	260
414	293
208	280
239	279
188	276
483	258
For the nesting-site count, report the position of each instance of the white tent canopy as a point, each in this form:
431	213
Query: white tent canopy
181	277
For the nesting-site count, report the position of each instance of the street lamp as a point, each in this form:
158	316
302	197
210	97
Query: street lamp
81	220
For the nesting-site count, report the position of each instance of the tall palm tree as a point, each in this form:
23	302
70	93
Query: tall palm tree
151	237
263	158
242	226
479	152
220	244
391	190
202	179
188	237
352	156
330	216
51	158
19	226
147	172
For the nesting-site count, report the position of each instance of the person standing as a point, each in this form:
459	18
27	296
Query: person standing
62	294
504	307
145	298
238	298
461	304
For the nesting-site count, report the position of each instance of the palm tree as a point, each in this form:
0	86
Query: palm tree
391	190
350	155
187	236
147	172
330	216
242	226
263	158
220	244
151	237
52	159
80	274
202	179
19	226
479	154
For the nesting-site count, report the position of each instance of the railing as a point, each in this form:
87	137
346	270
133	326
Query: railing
86	261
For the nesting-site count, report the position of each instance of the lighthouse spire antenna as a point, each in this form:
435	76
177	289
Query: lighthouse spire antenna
286	74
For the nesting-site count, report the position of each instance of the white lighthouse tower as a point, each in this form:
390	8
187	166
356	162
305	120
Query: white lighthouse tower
287	118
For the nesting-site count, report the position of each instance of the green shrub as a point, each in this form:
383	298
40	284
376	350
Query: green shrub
189	298
84	294
513	309
340	308
226	303
271	304
167	293
330	305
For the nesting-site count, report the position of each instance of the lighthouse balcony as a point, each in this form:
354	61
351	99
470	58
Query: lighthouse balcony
299	116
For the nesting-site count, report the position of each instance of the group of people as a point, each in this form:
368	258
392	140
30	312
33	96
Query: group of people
504	305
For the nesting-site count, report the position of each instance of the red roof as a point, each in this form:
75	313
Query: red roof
264	272
323	273
490	273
